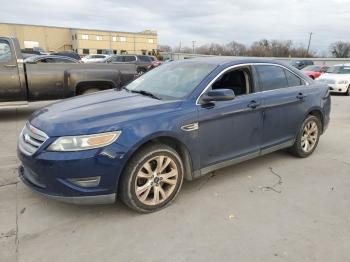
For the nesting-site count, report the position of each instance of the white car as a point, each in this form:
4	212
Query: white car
338	79
96	58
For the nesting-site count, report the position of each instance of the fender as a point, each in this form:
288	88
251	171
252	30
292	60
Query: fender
74	77
166	134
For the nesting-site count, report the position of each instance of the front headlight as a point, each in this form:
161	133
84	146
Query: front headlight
79	143
343	82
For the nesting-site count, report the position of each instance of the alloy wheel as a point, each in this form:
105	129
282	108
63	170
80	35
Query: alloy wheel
309	136
156	180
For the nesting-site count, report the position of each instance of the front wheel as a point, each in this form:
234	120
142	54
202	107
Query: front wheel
307	138
347	93
152	178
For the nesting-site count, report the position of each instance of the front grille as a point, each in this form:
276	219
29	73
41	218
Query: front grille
31	139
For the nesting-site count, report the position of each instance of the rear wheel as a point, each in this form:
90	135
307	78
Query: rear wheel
307	138
152	178
141	71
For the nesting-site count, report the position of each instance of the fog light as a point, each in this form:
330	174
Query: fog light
86	181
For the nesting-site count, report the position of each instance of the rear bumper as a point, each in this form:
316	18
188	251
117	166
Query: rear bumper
80	200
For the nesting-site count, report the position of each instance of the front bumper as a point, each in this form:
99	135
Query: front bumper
51	174
82	200
338	88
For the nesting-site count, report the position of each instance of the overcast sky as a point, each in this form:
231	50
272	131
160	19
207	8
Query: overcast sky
204	21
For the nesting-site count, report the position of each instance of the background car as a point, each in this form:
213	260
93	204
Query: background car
300	64
314	71
98	58
338	79
70	54
143	62
51	59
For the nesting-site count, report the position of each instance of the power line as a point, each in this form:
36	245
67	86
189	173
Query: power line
308	46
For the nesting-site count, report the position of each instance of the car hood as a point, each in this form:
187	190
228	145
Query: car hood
334	76
99	112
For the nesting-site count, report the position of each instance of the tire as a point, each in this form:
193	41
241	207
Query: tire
141	71
347	93
90	90
307	139
144	173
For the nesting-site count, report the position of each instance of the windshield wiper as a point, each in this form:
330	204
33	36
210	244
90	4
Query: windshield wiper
145	93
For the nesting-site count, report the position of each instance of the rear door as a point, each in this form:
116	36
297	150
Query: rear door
10	85
283	94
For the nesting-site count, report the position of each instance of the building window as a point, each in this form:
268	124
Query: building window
123	52
86	51
99	37
85	37
122	39
150	41
114	39
115	52
75	36
72	37
99	51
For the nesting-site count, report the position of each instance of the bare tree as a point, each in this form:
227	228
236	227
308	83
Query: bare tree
235	49
262	48
165	48
340	49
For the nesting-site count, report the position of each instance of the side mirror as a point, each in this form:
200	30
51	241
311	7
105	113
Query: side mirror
218	95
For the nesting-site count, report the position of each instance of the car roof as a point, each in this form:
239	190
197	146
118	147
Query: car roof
228	61
342	65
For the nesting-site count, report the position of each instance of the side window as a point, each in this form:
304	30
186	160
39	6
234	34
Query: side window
292	79
271	77
5	52
130	59
144	58
239	80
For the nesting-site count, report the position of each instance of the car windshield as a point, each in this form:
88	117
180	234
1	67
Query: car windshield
172	81
312	68
338	70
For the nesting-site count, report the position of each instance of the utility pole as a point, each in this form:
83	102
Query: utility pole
308	46
193	43
180	47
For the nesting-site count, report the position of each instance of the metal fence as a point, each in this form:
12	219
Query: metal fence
317	61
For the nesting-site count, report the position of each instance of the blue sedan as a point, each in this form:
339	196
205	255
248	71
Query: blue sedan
178	122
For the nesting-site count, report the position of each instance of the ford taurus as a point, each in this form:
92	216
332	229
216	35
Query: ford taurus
178	122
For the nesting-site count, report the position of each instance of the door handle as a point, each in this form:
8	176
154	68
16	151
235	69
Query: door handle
301	96
253	104
10	66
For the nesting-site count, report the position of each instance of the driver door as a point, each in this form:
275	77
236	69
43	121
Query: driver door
10	85
230	130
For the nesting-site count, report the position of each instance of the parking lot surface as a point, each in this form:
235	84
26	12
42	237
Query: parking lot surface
273	208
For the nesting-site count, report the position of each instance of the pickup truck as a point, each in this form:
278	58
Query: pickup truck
23	80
